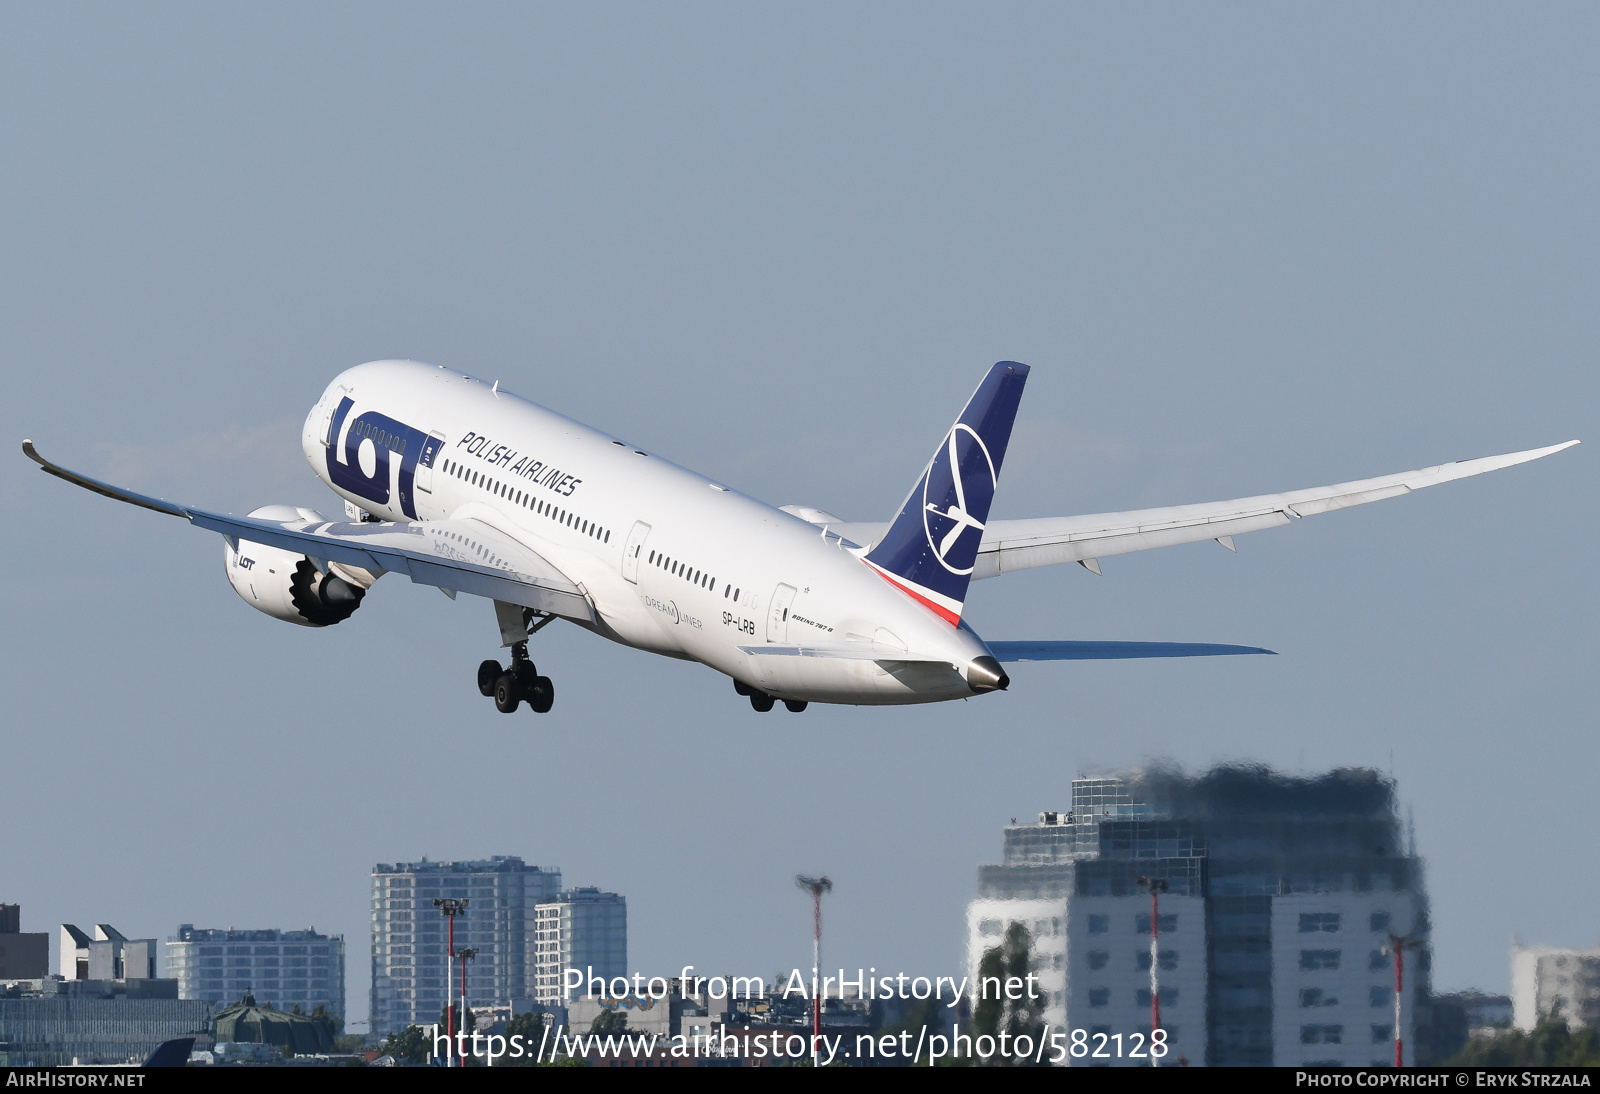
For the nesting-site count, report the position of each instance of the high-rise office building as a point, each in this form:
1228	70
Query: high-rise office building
1282	897
283	968
409	935
581	929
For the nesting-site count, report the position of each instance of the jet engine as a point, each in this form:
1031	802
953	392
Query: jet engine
291	586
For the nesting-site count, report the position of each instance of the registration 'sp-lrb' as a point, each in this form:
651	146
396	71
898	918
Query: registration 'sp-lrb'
455	483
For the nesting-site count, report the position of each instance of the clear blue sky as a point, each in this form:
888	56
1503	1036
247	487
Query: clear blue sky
1244	248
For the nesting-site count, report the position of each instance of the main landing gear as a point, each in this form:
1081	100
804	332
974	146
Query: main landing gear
510	686
764	702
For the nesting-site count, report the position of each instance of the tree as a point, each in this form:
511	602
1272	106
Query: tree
1550	1043
329	1020
409	1046
1010	961
465	1023
609	1021
529	1025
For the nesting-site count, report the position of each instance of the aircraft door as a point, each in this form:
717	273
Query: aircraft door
778	617
430	448
632	549
325	411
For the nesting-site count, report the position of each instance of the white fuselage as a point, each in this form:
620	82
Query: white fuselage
716	570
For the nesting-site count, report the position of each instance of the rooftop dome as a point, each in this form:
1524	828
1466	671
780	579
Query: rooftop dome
245	1021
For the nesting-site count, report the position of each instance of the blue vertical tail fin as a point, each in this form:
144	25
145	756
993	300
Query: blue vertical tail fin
931	547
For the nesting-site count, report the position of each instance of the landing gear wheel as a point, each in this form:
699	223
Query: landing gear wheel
542	696
761	701
488	673
795	705
507	694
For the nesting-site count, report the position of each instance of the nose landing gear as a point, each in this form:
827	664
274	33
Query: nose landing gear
511	686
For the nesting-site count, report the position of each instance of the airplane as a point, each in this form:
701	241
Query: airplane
456	483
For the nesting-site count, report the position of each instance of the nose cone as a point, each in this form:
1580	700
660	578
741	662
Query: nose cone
985	674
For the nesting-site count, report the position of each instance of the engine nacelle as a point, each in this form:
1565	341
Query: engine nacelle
289	586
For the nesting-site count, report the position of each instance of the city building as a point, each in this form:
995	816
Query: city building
1460	1017
409	935
1281	899
51	1022
1546	981
106	955
22	956
282	968
581	929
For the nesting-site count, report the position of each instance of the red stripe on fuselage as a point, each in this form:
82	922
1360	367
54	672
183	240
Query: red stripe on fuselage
950	617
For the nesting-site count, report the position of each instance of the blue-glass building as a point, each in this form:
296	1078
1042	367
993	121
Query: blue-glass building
1282	896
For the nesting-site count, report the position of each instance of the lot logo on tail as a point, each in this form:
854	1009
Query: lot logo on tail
931	548
971	482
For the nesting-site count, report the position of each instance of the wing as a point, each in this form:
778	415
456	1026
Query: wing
1047	541
468	556
1111	651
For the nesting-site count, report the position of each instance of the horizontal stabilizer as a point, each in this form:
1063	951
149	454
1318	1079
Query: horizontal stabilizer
1112	651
